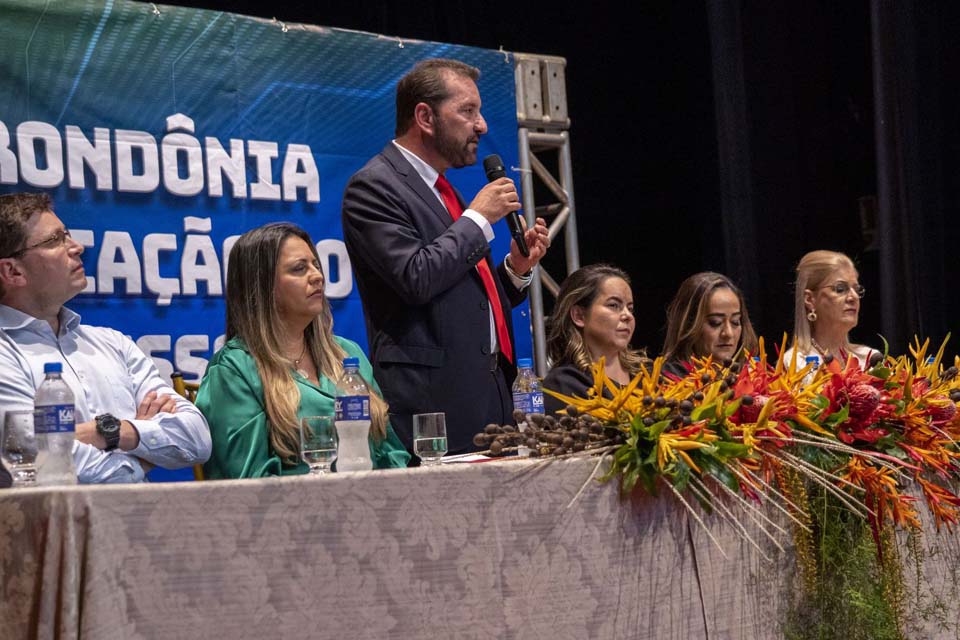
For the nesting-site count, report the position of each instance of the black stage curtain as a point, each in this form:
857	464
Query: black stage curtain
837	129
916	61
795	135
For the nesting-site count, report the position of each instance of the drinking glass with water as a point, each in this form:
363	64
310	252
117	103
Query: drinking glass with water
318	443
429	437
19	447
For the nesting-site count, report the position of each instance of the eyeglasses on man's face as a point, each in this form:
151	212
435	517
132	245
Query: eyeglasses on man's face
842	288
53	242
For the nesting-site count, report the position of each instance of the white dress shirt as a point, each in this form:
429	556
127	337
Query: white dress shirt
429	176
107	373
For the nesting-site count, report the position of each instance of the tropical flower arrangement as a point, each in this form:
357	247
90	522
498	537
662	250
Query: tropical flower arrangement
745	430
843	452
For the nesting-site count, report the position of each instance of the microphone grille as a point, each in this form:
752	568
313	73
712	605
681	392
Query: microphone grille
493	167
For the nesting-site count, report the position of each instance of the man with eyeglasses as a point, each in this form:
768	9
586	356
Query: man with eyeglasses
128	418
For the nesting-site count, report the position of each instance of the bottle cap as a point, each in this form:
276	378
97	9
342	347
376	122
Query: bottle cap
351	362
53	367
525	363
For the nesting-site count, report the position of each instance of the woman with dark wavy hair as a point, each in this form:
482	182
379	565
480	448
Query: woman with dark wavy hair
592	319
280	362
707	317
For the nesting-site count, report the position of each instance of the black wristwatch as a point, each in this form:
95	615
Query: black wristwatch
108	426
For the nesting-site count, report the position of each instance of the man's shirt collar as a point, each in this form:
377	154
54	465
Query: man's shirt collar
428	173
12	319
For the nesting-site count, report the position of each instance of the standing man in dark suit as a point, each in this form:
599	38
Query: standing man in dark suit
437	307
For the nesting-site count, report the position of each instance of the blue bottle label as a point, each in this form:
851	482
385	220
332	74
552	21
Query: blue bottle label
352	408
523	402
53	418
536	402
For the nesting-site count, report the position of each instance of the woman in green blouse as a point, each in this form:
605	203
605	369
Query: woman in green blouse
281	361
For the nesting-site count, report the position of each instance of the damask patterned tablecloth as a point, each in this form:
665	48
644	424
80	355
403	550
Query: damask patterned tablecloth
476	551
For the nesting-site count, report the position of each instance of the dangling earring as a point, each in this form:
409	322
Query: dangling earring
812	315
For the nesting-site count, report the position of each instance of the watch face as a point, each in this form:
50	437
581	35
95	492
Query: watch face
108	424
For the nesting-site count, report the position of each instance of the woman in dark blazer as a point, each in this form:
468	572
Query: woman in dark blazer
592	319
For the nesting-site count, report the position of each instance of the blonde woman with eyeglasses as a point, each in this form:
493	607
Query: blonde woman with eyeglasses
827	307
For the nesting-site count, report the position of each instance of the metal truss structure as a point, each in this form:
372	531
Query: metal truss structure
543	127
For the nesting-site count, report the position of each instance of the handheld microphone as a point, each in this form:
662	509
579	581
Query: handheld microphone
493	167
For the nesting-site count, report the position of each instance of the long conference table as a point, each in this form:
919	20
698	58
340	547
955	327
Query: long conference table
478	551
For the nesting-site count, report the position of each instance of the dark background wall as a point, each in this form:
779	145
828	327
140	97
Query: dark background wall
735	136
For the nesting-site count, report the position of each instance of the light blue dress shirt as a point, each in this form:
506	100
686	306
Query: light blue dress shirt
107	373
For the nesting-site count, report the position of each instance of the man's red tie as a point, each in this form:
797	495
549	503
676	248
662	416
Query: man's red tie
503	335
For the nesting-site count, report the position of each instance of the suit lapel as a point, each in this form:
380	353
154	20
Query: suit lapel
414	181
410	176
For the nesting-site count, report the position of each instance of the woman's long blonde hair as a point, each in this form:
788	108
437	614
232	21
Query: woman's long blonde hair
812	273
252	317
565	343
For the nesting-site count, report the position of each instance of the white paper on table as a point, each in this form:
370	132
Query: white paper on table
465	457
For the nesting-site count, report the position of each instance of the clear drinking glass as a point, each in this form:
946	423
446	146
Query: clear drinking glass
429	437
318	443
19	447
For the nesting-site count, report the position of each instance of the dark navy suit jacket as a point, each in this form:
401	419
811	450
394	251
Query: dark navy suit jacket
427	314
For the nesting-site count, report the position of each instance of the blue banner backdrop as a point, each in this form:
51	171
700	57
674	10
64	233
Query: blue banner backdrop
163	133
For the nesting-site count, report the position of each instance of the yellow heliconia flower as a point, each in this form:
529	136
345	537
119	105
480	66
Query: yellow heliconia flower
669	446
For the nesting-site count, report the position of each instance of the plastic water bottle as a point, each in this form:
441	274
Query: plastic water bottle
527	396
352	419
815	361
54	426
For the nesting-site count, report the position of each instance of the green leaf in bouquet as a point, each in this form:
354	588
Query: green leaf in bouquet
881	372
630	479
727	450
820	402
704	412
721	472
731	408
838	417
656	429
681	475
